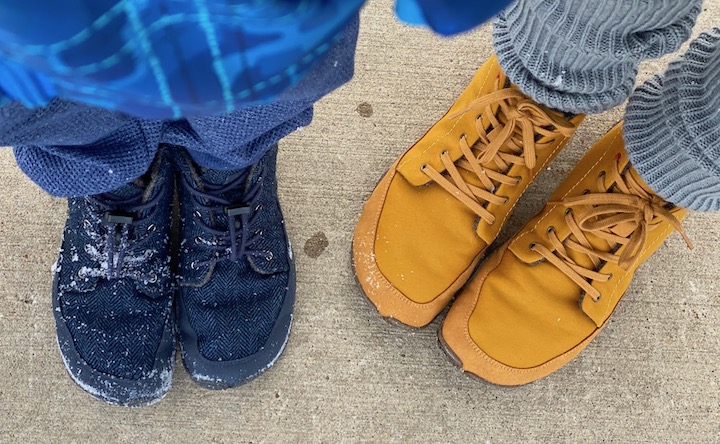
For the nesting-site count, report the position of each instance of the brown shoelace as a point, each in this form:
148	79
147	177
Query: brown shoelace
626	207
518	130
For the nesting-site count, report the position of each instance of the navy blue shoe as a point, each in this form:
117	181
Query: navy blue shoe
236	276
113	291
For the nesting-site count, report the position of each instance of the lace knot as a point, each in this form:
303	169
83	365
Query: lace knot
508	134
231	211
622	215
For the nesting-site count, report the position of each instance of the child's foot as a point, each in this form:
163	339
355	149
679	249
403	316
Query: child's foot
236	273
432	217
542	297
112	291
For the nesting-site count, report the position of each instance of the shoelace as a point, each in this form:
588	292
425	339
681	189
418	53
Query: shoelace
229	241
119	223
517	131
626	207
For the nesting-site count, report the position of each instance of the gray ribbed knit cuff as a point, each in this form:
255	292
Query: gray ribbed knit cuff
580	56
672	128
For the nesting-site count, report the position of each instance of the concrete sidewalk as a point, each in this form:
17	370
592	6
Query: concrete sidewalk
347	376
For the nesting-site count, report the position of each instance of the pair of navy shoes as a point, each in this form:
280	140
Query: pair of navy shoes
126	289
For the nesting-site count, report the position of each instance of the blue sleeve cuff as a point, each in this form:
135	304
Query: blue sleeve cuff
409	12
449	17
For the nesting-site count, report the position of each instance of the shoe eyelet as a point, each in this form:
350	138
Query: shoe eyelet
602	174
193	266
598	298
550	229
258	207
610	276
151	228
197	214
269	256
532	246
259	232
507	199
463	136
568	211
444	153
478	117
423	167
153	278
586	191
197	240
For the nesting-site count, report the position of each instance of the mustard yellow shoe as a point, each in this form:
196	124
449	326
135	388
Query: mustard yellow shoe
443	202
542	297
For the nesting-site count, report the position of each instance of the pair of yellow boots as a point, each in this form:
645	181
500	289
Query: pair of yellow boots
544	295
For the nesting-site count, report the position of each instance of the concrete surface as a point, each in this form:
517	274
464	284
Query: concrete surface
347	376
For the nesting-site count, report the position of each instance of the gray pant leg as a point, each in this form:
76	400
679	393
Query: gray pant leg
581	56
672	128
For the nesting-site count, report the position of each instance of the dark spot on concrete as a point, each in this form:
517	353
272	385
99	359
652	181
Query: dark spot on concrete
277	395
315	246
365	109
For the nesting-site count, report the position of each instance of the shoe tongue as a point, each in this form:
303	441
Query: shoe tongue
129	190
218	177
624	230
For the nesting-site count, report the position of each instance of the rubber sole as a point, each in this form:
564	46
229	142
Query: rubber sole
390	320
455	361
112	389
222	375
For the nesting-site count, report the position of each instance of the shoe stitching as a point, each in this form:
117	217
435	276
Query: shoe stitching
530	182
499	365
393	290
469	339
632	273
372	263
551	209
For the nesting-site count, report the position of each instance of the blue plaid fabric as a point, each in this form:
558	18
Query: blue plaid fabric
163	58
70	149
449	17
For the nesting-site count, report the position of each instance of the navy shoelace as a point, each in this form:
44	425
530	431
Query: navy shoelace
230	237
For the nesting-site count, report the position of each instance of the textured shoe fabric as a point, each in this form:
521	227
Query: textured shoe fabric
542	297
113	290
236	275
432	217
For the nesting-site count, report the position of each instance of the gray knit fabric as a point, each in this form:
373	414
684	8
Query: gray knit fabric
581	56
672	128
